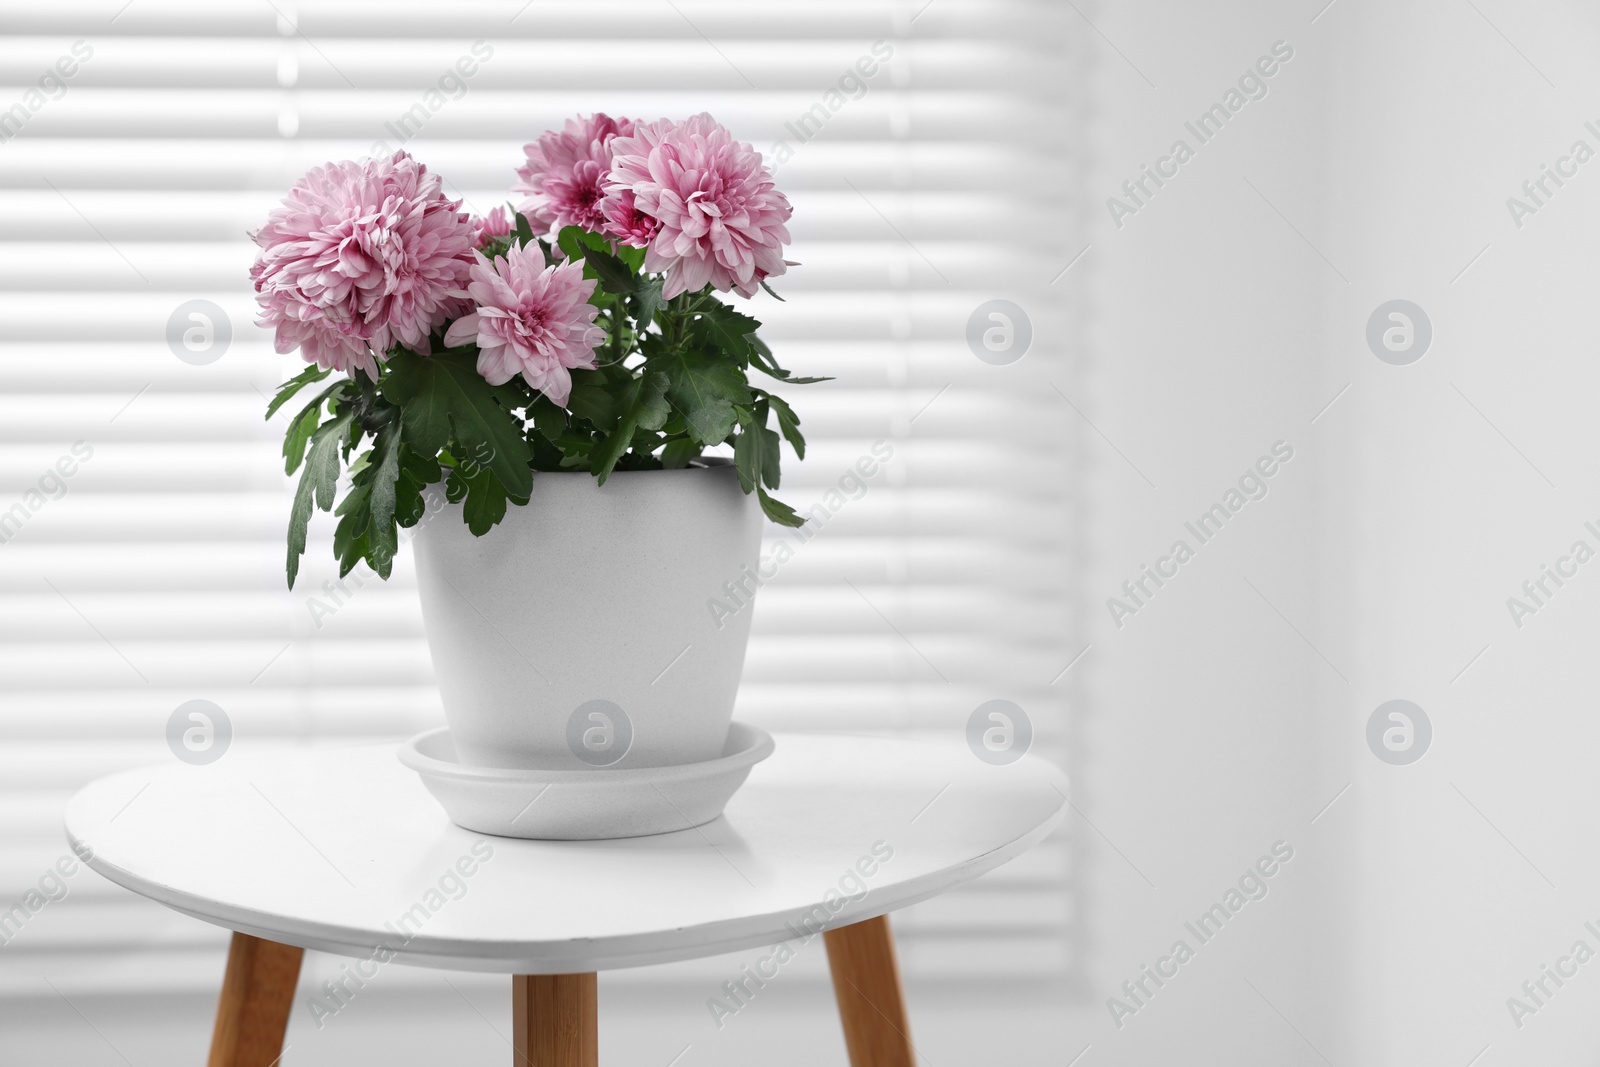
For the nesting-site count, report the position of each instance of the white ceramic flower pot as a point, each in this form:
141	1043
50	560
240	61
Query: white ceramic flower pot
578	632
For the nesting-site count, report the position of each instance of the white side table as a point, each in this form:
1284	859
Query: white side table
343	851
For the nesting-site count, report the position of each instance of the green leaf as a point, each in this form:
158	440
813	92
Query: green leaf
299	435
548	455
359	464
355	516
638	461
485	501
649	409
575	241
634	258
592	400
317	484
455	486
497	246
288	389
646	299
725	330
524	230
705	390
755	451
678	453
761	357
350	537
747	458
771	291
644	407
409	503
760	354
778	511
642	448
353	554
575	442
769	457
305	423
789	422
548	418
383	538
423	470
416	474
443	397
614	275
570	241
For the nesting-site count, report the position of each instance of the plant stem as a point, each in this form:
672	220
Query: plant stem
617	320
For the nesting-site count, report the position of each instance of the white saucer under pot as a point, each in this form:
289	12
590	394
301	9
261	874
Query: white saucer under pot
584	805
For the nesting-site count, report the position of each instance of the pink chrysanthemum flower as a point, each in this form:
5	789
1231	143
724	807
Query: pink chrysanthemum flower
360	257
497	223
532	319
625	222
566	171
721	218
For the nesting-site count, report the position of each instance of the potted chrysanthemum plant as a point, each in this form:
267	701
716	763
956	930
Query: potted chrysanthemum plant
560	369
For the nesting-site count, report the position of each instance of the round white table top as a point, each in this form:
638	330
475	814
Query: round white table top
342	850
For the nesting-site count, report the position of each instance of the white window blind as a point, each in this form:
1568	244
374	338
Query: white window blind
153	573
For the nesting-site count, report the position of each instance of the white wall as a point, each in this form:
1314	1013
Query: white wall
1203	745
1445	520
1423	898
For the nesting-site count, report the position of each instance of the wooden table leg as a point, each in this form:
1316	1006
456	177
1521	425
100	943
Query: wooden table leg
257	992
554	1020
866	982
